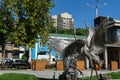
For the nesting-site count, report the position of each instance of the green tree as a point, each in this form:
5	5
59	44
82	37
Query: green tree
6	26
31	18
80	31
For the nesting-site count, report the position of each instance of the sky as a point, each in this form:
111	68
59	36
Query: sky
82	12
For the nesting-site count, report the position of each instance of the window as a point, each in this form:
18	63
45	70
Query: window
118	34
114	34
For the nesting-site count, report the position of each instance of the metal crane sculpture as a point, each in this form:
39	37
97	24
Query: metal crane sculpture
58	44
76	50
81	49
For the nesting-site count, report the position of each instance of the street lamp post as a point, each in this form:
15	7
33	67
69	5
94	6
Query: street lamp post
96	7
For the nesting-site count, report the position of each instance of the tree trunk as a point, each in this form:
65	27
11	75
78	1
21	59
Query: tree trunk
3	56
26	55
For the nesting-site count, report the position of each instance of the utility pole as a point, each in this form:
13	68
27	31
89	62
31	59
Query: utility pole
96	7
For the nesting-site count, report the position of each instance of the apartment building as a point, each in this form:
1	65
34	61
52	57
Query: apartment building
54	20
63	21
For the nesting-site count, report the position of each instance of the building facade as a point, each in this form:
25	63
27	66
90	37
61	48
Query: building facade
109	38
63	21
53	20
11	52
45	50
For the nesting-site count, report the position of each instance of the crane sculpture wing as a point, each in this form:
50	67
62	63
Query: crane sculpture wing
58	44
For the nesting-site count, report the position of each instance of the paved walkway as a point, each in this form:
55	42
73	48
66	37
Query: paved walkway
50	73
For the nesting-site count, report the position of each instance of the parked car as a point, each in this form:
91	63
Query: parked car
8	61
19	61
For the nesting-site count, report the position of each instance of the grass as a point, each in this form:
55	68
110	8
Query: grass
88	78
46	79
17	76
113	75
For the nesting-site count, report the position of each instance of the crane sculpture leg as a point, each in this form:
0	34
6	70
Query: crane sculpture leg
93	59
70	67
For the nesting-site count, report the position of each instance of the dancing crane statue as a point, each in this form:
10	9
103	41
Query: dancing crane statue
78	49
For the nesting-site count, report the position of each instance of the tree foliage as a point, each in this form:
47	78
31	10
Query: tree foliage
79	31
31	18
22	21
6	26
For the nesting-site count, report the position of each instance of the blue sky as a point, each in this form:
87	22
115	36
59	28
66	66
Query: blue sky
81	12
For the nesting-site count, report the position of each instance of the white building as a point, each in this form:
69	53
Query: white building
64	21
54	20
